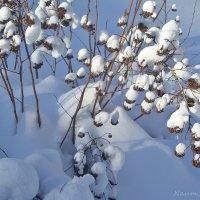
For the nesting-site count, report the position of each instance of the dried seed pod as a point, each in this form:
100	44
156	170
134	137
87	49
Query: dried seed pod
146	14
101	118
66	22
69	54
195	132
87	23
196	147
48	2
70	78
37	66
28	21
196	160
149	97
121	80
53	26
177	19
190	102
61	12
81	73
146	107
128	106
81	135
131	95
193	84
180	150
82	55
174	9
122	21
171	130
103	38
142	27
44	25
48	46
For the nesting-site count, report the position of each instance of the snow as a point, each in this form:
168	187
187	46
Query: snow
113	42
98	168
150	96
179	118
154	15
197	144
128	106
32	32
161	103
174	7
149	56
77	188
64	5
180	149
177	19
10	29
75	21
70	77
142	82
41	37
16	40
122	21
127	135
197	156
86	21
67	42
97	65
69	54
103	37
19	181
101	182
153	32
37	57
5	14
121	80
154	160
168	36
5	46
148	6
101	118
52	20
40	13
116	157
80	161
114	117
178	55
81	72
82	55
128	52
138	35
146	107
131	95
181	70
196	130
57	45
48	164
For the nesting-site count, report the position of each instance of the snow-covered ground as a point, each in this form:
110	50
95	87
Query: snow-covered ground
150	171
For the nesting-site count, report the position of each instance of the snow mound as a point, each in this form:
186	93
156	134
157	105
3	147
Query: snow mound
77	189
19	181
48	164
151	160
